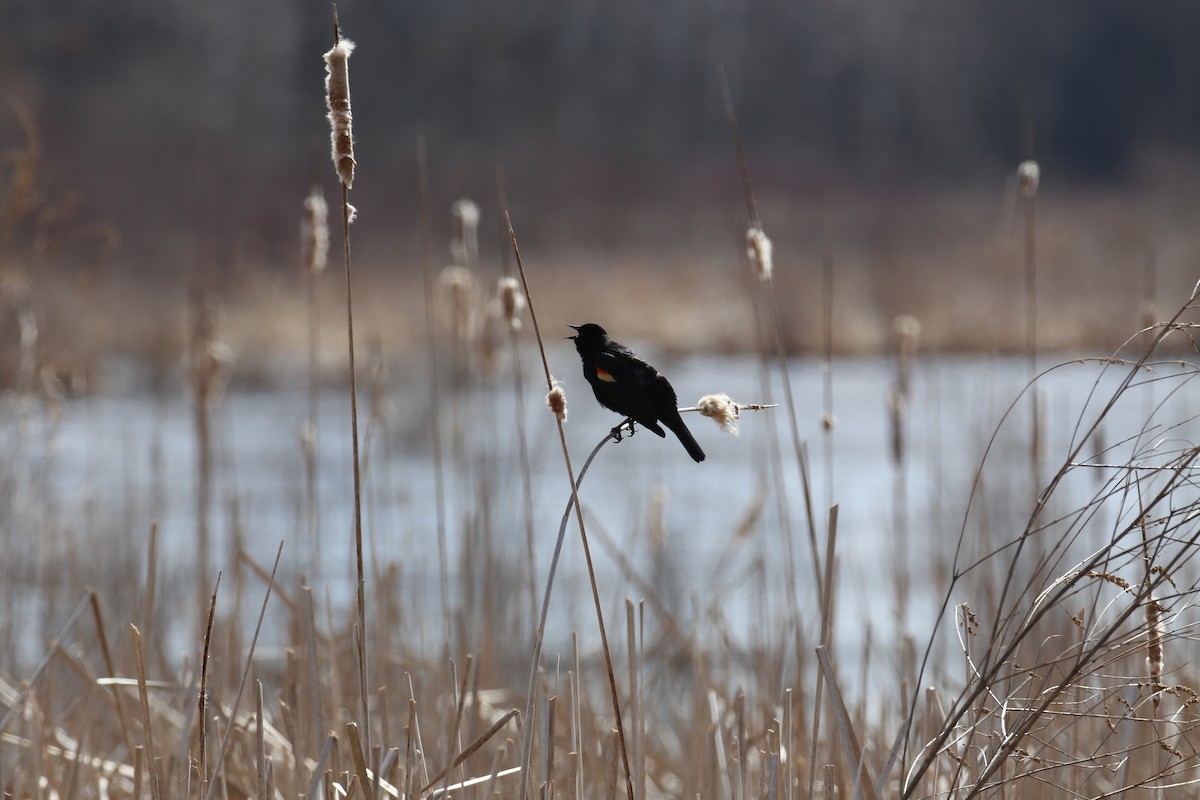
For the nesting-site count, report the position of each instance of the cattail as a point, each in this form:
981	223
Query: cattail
722	410
512	302
908	338
1154	647
828	421
556	399
465	249
314	232
52	389
209	357
307	435
1028	175
460	285
759	248
489	339
337	90
466	212
654	519
897	404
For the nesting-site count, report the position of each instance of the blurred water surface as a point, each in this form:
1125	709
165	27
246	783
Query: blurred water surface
708	541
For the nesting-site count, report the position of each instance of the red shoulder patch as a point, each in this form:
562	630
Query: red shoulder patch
605	375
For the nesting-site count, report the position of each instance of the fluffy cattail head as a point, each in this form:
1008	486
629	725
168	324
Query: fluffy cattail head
337	97
556	400
759	248
722	410
314	232
512	302
1154	648
465	248
1028	175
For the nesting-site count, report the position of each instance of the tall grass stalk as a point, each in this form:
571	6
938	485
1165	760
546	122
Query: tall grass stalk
1028	177
206	371
906	330
527	735
765	273
202	701
337	87
514	327
435	398
828	418
315	253
1045	678
237	701
757	240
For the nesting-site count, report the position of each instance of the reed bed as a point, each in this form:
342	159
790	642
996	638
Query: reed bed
1058	664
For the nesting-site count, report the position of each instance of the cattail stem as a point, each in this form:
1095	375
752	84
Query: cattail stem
1028	178
338	89
203	696
527	733
759	244
513	327
439	481
315	242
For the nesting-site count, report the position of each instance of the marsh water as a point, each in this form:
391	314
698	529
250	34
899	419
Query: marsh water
725	544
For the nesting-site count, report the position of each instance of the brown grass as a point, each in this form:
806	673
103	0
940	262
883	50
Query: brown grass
1064	671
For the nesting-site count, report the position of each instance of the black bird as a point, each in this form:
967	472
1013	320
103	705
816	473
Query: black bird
629	386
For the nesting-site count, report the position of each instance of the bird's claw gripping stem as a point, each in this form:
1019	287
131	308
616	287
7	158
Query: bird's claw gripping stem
616	432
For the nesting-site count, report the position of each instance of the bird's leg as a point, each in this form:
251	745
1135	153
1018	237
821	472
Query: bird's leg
616	432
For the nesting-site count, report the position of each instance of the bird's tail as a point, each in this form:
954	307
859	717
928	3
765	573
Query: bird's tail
685	437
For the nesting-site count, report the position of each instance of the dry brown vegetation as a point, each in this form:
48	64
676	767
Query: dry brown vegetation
1072	672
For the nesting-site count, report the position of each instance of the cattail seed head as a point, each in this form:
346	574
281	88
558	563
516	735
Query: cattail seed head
722	410
1154	648
314	232
466	212
556	400
337	95
1028	175
512	302
465	248
759	248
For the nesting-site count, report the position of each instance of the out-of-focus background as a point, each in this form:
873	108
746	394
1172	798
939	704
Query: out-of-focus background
175	141
954	530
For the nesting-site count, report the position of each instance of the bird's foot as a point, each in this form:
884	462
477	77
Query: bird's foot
619	432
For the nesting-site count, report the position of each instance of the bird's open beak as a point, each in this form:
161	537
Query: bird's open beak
573	327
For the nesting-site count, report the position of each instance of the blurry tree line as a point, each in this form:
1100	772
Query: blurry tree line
177	115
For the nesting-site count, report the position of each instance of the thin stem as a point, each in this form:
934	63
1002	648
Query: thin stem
203	698
360	574
527	733
311	453
435	400
522	444
1031	332
781	351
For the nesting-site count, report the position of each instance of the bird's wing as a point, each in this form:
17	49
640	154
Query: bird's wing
662	396
622	380
623	366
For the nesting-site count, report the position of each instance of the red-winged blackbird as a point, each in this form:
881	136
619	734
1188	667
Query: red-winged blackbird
629	386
